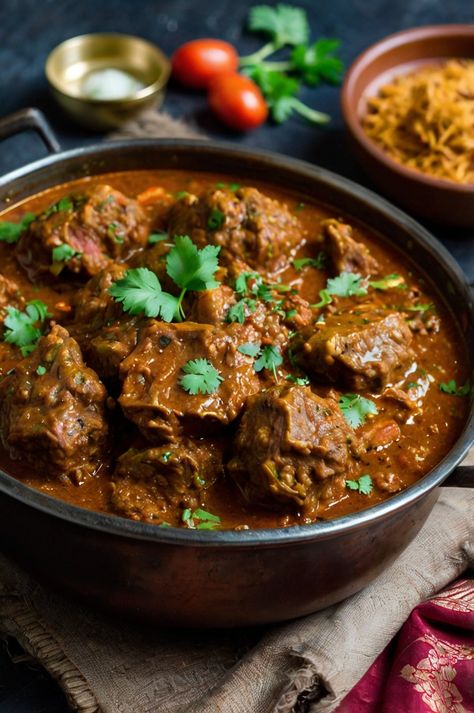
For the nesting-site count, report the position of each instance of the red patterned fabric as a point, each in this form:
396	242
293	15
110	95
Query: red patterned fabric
429	666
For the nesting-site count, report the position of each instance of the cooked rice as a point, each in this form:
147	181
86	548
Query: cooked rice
425	120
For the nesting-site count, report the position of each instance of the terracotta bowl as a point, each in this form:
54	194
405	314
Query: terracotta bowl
436	199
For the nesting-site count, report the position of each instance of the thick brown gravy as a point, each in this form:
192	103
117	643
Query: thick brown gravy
425	436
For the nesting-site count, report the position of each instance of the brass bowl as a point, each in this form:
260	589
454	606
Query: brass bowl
73	61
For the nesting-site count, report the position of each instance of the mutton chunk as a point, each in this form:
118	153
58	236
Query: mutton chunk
292	449
99	225
105	333
359	352
247	224
345	253
152	396
10	296
154	484
52	413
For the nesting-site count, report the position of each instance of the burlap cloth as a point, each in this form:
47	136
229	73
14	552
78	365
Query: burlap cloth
306	666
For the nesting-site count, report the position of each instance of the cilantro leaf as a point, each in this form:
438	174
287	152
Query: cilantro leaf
280	93
454	390
237	313
154	238
249	349
284	24
64	253
206	520
25	328
200	377
318	262
270	358
347	284
363	485
387	283
216	219
11	232
140	292
191	268
317	62
62	205
356	408
298	380
418	308
41	370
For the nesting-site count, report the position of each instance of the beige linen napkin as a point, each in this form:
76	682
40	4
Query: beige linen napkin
306	666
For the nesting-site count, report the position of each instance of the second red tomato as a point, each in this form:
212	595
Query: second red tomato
237	101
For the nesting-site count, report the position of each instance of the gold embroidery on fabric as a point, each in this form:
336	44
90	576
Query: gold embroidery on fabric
433	676
459	597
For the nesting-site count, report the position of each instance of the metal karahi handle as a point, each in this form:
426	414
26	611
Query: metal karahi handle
26	120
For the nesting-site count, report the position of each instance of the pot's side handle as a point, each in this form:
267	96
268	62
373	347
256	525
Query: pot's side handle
461	477
29	119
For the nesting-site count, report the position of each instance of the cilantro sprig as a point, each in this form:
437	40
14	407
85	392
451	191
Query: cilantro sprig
12	232
356	408
362	485
317	262
268	358
280	81
454	390
25	328
190	268
200	377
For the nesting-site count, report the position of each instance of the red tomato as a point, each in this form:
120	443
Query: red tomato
237	101
196	63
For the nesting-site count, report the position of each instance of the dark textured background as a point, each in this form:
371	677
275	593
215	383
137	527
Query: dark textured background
29	29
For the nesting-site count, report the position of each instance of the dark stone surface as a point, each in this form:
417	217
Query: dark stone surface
30	29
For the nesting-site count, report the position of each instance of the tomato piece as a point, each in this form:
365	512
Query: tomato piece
237	101
197	62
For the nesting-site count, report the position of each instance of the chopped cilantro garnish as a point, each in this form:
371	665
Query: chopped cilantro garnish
270	358
413	385
41	370
181	194
298	380
190	268
166	456
139	291
347	284
11	232
200	377
318	262
389	282
230	186
363	485
25	328
418	308
216	219
454	390
61	206
249	349
64	253
200	519
154	238
237	312
356	408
